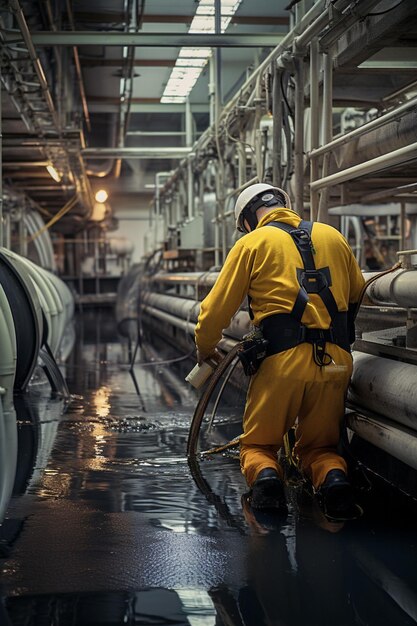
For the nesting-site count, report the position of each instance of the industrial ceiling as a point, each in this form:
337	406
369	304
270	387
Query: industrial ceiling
83	86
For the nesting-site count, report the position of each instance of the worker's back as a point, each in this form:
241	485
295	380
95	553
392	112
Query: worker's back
275	260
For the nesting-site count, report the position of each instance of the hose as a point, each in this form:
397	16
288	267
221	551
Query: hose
199	412
370	281
219	395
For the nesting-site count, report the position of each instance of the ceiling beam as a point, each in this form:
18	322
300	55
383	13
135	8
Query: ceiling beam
120	62
116	100
144	106
120	18
158	40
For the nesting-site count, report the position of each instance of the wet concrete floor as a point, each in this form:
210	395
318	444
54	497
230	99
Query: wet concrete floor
110	526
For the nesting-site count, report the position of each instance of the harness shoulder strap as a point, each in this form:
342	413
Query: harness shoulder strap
310	279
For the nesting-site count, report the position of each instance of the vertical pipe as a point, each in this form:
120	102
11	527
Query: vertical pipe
217	244
1	168
314	122
402	225
241	151
6	231
22	236
190	173
277	128
299	137
218	104
218	53
323	213
212	94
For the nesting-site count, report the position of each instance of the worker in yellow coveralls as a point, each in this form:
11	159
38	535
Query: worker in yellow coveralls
303	285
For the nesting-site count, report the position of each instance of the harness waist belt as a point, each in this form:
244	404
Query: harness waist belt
284	332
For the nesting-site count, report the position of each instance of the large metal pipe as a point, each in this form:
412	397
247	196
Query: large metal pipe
396	157
136	153
188	310
385	387
204	279
399	287
365	128
398	441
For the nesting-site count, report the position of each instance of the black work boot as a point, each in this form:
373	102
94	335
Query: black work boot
268	491
336	497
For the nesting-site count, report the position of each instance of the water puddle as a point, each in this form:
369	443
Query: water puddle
112	525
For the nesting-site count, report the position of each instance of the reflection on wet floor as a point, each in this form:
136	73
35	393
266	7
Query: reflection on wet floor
110	525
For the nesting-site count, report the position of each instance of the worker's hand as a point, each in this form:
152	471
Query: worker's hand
214	356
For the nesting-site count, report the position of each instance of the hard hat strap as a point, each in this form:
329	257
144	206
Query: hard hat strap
265	198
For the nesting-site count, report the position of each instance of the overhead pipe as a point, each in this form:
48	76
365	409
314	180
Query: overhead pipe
391	159
318	16
35	60
78	70
360	11
365	128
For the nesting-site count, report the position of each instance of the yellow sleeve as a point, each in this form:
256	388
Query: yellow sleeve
356	280
224	299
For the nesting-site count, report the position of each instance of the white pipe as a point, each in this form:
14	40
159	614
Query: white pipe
299	137
365	128
396	157
384	387
323	210
396	440
314	122
399	287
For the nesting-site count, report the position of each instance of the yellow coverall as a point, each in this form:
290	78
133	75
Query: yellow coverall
288	385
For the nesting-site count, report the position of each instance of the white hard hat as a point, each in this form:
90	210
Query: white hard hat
255	196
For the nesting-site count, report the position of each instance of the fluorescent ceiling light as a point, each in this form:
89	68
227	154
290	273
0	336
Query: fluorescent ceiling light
191	61
53	172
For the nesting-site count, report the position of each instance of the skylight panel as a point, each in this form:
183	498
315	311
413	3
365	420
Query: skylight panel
191	61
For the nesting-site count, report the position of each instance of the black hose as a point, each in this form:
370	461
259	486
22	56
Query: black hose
205	399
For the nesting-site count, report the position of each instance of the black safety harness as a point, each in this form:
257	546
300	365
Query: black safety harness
285	330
